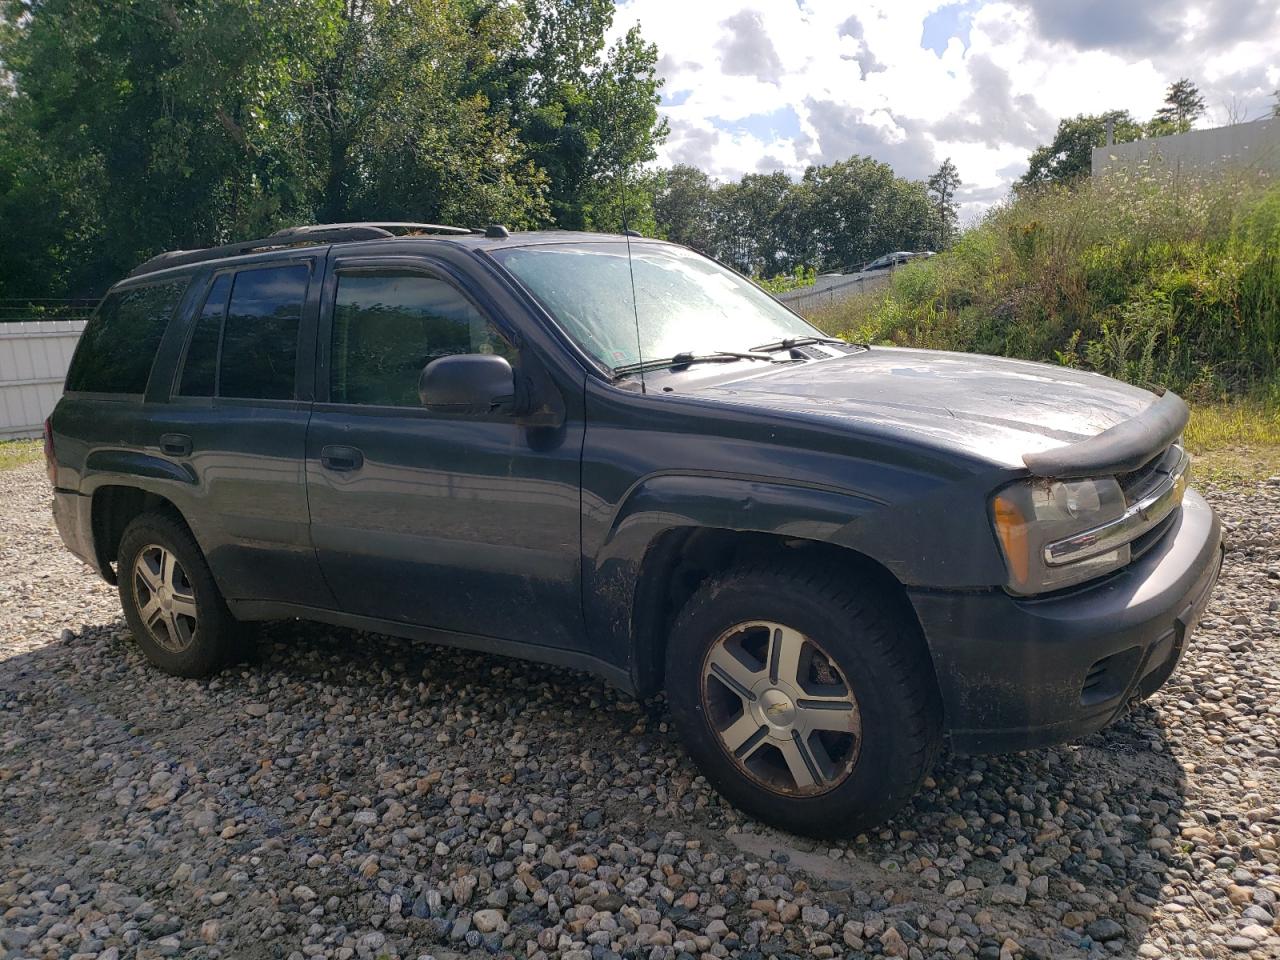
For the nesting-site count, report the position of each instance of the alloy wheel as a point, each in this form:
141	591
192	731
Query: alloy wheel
781	708
165	598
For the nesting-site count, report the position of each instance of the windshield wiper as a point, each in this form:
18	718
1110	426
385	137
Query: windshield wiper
790	342
686	358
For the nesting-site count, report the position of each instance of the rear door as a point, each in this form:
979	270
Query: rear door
464	523
235	420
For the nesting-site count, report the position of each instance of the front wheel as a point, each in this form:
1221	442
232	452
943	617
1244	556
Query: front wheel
804	699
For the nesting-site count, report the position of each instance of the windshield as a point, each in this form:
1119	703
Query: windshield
685	302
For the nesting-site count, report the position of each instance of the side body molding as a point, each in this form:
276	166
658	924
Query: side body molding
132	464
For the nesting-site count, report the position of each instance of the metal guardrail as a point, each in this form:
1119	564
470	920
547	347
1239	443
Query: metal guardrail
804	299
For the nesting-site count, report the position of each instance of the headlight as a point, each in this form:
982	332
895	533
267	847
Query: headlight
1031	514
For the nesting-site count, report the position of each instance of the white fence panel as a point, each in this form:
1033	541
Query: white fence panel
34	357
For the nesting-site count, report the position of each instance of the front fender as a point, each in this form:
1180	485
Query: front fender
745	504
936	535
662	504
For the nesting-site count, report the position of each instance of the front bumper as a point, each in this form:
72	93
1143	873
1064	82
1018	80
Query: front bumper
1018	673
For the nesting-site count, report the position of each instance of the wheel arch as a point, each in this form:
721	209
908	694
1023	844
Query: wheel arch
681	559
114	505
674	531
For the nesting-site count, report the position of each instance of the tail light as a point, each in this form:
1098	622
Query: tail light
50	464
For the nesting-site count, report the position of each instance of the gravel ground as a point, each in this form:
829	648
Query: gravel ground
357	796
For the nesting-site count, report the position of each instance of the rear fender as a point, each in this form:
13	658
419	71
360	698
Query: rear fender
170	482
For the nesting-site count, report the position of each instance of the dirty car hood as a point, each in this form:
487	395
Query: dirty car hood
990	407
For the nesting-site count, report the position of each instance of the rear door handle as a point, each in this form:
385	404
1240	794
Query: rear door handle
175	444
340	458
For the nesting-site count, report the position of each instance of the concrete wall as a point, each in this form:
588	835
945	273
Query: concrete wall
1254	146
34	357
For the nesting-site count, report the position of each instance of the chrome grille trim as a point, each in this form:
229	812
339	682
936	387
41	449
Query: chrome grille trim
1144	514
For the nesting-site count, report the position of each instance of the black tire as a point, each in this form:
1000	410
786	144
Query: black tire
206	642
878	655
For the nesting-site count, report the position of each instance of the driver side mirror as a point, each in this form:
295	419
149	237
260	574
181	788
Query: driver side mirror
473	384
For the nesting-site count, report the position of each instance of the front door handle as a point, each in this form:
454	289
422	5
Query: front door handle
340	458
175	444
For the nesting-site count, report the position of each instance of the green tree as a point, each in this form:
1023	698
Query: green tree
859	209
1068	157
1183	105
624	201
38	208
586	114
750	219
128	128
942	190
392	127
684	207
138	113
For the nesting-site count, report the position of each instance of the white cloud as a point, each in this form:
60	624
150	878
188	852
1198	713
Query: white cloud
785	83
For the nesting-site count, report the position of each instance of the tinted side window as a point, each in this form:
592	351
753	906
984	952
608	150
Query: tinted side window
200	370
388	325
260	335
119	344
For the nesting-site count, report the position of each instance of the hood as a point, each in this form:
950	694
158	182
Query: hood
993	408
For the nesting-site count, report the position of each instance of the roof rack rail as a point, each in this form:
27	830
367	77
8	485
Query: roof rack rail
390	226
317	233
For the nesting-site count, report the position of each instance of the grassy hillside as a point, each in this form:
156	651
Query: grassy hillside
1151	279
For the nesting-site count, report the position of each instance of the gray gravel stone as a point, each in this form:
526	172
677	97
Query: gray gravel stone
1105	929
349	797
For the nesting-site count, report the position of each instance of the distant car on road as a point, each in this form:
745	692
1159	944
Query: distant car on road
897	258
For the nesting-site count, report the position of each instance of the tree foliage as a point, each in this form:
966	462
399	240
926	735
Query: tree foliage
1183	105
942	190
766	224
684	207
135	126
1069	155
141	125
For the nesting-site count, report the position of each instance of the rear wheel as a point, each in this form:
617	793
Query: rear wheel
803	699
170	600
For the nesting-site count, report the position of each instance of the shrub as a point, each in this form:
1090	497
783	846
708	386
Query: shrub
1153	278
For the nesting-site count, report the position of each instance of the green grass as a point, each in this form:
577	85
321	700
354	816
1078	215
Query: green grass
15	453
1156	280
1146	278
1235	442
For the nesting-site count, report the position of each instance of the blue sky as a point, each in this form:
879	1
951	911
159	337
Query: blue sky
767	85
946	22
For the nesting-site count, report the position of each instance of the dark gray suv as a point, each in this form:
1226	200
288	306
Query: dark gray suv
613	454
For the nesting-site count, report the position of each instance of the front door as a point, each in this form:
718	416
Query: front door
464	523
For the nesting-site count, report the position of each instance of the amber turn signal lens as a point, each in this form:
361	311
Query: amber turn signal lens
1011	528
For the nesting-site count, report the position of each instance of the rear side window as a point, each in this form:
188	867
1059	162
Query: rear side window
260	333
200	371
119	344
388	325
